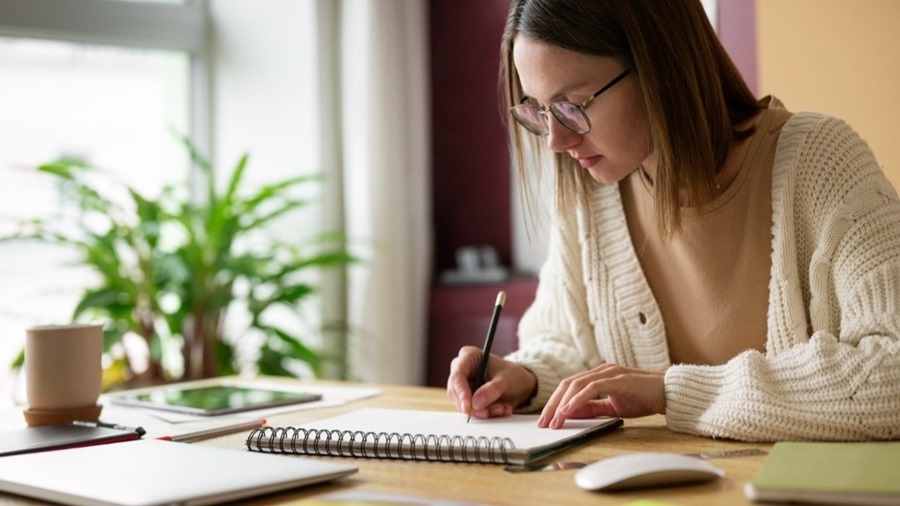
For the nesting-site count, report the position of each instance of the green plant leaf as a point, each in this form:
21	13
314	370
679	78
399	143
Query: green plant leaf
334	258
104	298
285	208
64	168
270	192
296	349
225	358
111	337
271	362
235	181
18	361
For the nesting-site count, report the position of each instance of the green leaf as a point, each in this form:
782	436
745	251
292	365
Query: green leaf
292	293
155	348
271	362
272	191
335	258
235	181
19	361
149	214
111	337
63	168
103	298
196	156
225	358
285	208
296	349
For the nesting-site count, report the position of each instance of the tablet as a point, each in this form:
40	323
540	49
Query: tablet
212	400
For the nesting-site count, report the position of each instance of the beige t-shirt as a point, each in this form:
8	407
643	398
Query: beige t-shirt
711	279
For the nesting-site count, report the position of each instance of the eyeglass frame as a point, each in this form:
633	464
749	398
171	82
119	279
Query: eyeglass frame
581	107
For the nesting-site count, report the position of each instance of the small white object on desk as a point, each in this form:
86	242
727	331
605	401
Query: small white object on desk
645	469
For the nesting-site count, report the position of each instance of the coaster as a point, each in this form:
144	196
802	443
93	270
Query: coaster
36	417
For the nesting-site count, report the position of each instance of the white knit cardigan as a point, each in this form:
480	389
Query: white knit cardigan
831	370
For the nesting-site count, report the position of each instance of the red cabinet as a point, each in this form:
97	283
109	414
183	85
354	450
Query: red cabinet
461	314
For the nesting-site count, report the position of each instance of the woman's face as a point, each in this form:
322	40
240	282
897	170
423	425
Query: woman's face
617	143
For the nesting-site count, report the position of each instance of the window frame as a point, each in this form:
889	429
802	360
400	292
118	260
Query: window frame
180	27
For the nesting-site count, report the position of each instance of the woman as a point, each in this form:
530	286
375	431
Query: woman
713	258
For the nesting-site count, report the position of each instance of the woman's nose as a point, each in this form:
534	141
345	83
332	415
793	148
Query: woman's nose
560	138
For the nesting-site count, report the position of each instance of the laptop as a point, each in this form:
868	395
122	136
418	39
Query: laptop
153	472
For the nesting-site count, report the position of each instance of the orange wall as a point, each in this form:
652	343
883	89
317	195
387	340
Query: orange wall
836	57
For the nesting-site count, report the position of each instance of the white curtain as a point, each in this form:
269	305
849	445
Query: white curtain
383	146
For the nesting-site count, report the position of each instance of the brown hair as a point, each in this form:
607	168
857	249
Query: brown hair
693	95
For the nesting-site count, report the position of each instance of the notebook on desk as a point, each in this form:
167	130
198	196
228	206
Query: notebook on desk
428	435
829	473
152	472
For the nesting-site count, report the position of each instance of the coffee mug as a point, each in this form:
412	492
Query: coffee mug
63	369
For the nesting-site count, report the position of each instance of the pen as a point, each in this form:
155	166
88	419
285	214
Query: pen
139	430
486	351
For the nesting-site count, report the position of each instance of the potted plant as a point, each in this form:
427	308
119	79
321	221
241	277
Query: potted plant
171	269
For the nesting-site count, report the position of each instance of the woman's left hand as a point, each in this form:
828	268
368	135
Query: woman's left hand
607	390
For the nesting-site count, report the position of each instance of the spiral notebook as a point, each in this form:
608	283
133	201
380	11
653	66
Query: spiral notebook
428	435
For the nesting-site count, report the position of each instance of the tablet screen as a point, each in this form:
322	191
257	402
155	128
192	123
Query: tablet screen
213	400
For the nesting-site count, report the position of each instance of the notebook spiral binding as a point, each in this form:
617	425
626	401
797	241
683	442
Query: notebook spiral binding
390	445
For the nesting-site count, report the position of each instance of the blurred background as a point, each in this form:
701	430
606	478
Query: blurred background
394	103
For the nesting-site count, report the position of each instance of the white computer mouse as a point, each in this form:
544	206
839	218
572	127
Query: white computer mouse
645	469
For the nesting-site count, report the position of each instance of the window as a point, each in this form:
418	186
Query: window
109	90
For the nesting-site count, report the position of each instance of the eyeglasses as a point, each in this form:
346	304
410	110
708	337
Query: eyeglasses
571	116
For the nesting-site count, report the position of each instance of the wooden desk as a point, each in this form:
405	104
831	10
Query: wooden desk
490	484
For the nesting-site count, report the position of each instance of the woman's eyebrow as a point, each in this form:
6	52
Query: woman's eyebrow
560	95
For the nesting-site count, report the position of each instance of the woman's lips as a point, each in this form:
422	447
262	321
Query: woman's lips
587	163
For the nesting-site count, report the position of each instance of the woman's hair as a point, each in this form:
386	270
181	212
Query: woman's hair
694	97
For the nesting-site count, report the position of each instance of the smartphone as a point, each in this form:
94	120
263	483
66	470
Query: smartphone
212	400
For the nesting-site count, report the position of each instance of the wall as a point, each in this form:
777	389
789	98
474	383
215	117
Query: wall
735	23
263	56
839	58
470	171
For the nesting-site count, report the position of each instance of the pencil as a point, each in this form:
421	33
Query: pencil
486	351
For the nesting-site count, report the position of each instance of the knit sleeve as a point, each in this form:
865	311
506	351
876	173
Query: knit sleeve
831	370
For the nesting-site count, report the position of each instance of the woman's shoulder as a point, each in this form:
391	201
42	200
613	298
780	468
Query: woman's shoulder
822	162
825	145
815	130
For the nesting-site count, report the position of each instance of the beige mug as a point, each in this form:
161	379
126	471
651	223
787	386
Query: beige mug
63	372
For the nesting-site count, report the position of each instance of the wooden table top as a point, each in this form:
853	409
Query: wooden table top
490	484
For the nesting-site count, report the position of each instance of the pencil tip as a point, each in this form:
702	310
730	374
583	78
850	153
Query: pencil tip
501	298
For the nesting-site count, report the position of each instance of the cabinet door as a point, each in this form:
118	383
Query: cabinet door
461	314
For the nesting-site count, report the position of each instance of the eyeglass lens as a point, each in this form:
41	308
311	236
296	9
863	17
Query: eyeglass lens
571	116
535	120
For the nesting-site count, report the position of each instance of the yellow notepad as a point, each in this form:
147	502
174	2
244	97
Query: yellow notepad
829	473
428	435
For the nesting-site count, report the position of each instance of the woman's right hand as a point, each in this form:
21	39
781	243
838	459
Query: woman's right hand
506	386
